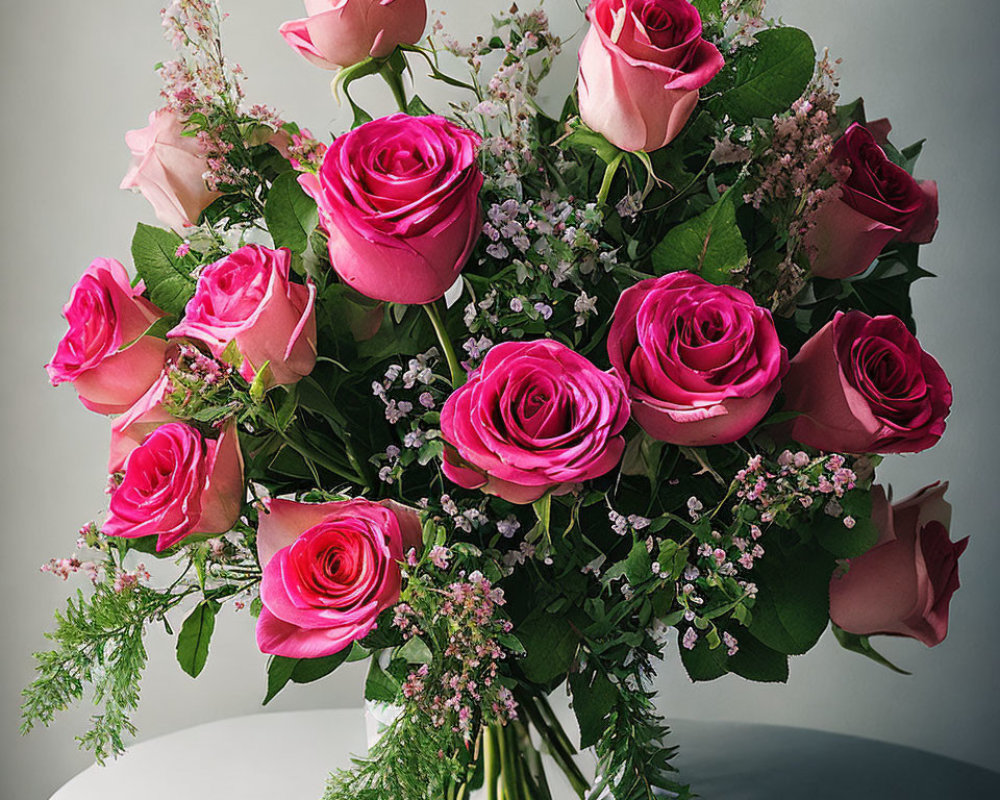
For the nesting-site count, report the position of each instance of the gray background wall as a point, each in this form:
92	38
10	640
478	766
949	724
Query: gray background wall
76	76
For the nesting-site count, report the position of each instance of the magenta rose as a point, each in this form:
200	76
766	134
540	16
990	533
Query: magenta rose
168	168
701	363
104	354
902	586
248	298
341	33
133	427
178	483
534	418
641	65
399	199
330	569
865	385
880	203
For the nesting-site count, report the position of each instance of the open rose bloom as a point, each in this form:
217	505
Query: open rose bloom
535	418
399	199
329	570
105	353
641	65
902	586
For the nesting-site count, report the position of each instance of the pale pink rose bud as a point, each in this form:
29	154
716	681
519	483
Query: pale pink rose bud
903	585
248	298
178	483
168	169
341	33
534	418
104	354
701	363
329	569
641	65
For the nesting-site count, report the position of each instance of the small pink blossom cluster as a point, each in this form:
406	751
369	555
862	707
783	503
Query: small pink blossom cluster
460	685
306	152
126	580
800	480
64	567
195	378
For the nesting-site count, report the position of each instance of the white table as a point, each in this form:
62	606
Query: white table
288	756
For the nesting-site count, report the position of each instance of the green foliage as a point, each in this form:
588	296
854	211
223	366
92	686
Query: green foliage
550	643
98	642
710	245
168	278
844	542
594	696
195	636
863	646
290	214
764	80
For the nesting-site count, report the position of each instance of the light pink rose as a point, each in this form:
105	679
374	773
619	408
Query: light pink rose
104	354
330	569
902	586
168	169
641	65
701	363
341	33
177	483
880	203
865	385
248	298
399	199
534	418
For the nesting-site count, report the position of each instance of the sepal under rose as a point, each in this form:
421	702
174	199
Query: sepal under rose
178	483
701	363
536	417
105	354
902	586
399	199
329	569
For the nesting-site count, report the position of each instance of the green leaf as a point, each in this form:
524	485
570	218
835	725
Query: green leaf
380	687
793	604
279	673
195	635
639	564
417	107
550	644
708	8
291	215
593	698
862	646
703	663
168	279
583	138
756	661
415	651
844	542
710	244
308	670
767	78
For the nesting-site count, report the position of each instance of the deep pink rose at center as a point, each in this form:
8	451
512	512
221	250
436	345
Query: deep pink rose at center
535	417
330	569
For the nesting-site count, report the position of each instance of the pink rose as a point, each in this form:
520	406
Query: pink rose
903	585
330	569
341	33
399	199
534	418
864	385
641	65
168	169
104	354
701	363
247	298
177	483
133	427
880	203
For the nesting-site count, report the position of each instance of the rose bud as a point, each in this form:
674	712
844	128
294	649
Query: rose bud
329	569
864	385
641	65
880	203
534	418
105	354
903	585
248	298
701	363
168	169
176	484
399	199
341	33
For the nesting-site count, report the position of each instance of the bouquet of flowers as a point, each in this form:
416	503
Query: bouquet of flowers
506	402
